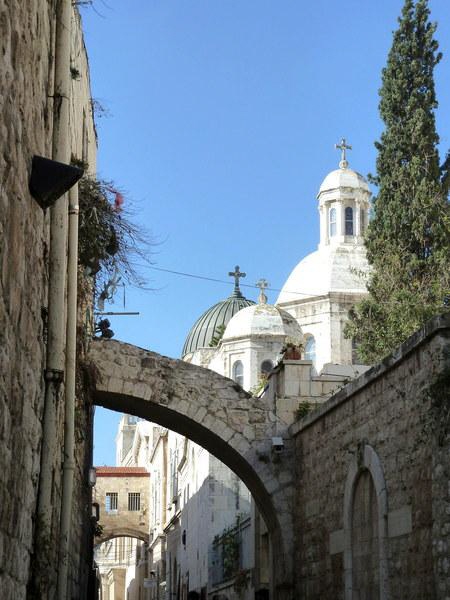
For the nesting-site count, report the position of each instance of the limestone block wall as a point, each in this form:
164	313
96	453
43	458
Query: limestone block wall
373	476
26	115
25	129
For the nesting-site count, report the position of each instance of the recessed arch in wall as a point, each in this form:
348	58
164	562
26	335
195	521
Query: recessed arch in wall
365	470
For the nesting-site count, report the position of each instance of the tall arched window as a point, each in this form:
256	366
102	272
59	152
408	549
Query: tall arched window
349	220
362	220
310	348
332	215
238	372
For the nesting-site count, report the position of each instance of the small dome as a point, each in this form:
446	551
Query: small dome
204	329
343	178
329	269
263	320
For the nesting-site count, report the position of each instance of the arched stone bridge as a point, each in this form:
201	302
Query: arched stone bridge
217	414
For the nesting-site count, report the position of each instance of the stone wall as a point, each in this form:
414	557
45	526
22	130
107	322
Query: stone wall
26	82
373	480
25	129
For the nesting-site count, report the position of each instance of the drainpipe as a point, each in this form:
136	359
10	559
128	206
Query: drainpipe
54	373
69	416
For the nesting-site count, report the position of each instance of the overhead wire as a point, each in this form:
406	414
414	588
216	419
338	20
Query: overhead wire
247	285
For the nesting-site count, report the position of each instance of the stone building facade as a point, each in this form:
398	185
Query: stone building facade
121	494
27	39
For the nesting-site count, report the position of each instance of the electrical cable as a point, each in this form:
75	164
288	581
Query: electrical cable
247	285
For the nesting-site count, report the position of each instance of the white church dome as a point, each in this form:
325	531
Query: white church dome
343	178
263	320
329	269
340	263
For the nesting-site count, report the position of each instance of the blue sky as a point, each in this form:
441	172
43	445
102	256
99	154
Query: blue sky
223	116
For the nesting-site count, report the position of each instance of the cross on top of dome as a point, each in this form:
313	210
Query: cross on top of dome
343	146
262	284
237	275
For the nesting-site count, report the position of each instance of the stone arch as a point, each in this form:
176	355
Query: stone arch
110	534
217	414
366	458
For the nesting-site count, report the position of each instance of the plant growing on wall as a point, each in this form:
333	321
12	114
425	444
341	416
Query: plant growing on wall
228	546
230	552
262	382
111	247
303	409
241	581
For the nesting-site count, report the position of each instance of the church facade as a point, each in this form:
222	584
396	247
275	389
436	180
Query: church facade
312	307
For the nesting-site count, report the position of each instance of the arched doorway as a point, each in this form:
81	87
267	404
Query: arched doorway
365	527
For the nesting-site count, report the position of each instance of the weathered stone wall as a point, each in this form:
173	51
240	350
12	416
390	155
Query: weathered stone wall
391	423
25	129
26	83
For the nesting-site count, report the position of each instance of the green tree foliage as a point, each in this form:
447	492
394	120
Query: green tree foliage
408	240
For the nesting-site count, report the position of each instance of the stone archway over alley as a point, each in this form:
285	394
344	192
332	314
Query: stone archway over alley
217	414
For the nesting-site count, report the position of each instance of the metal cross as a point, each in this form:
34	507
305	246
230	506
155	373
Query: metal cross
237	275
343	146
262	284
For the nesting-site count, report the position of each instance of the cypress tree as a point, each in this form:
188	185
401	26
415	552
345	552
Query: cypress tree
408	239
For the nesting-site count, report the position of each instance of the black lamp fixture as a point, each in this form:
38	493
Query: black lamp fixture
50	179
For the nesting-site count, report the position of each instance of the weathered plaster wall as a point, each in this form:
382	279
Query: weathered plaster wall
385	423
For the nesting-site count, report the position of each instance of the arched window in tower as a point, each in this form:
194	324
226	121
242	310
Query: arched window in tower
349	220
362	220
238	373
310	348
332	215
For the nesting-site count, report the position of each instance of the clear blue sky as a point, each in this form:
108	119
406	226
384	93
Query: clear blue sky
223	120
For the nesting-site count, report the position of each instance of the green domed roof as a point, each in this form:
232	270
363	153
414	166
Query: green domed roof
204	329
